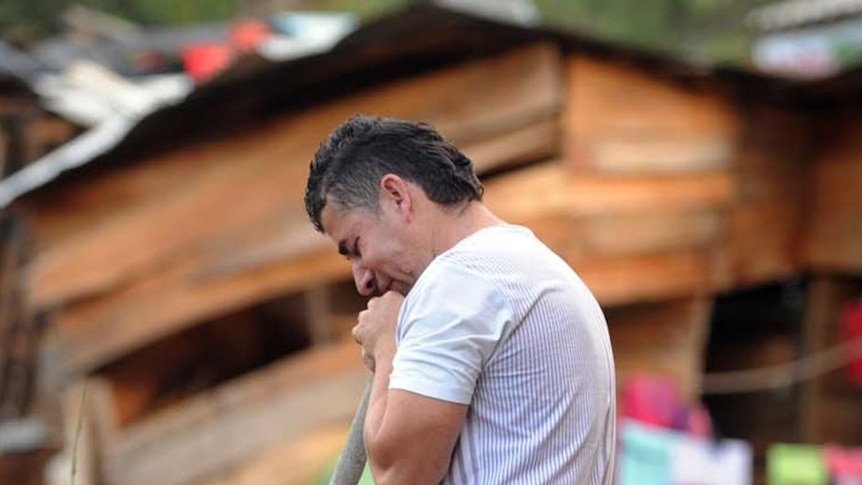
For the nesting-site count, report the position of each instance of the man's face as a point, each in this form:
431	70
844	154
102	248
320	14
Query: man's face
377	246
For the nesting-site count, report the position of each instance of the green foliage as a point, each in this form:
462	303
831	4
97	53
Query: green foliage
160	12
364	9
27	19
711	29
31	19
708	29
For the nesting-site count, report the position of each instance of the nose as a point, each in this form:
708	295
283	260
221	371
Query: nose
364	279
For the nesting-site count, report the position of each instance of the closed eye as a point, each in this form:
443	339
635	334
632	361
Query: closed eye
349	252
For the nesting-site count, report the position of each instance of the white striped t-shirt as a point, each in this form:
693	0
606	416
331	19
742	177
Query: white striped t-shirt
501	323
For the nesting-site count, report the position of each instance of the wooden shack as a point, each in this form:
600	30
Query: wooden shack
182	286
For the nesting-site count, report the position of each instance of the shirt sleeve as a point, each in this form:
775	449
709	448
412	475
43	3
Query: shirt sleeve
450	325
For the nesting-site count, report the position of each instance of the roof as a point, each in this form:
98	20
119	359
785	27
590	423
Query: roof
790	14
16	69
416	38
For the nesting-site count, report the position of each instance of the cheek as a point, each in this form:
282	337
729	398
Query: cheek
387	257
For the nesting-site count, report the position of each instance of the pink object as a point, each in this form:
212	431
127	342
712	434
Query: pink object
844	464
650	400
655	400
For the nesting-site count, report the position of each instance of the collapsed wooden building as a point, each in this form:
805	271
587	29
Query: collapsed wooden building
181	285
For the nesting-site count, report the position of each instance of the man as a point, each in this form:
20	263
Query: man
491	359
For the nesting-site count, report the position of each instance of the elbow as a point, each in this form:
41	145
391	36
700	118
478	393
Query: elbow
381	458
394	463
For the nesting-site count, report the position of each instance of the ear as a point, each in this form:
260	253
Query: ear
396	192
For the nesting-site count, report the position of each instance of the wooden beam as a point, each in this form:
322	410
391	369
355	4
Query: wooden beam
225	427
538	141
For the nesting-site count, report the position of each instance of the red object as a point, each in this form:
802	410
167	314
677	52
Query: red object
245	35
852	329
203	61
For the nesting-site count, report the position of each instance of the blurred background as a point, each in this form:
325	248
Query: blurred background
169	316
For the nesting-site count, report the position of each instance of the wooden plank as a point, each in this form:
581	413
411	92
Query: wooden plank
210	282
551	188
666	338
303	460
538	141
647	232
222	428
103	330
584	237
92	333
836	215
607	98
648	277
469	103
655	155
612	105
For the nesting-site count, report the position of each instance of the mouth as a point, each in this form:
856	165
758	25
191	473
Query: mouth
392	286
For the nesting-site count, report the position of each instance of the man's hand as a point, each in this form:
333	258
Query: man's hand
409	437
375	328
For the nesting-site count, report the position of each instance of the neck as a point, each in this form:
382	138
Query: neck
449	227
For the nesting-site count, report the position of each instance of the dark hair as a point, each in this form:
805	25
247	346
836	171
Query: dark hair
350	163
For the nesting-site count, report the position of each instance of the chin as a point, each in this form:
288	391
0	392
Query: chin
400	288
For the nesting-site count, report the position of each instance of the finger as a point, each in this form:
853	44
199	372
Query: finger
372	301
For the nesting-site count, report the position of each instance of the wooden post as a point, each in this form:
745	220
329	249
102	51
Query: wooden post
829	404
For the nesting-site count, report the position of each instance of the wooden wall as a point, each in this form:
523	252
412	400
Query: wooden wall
642	188
835	238
834	254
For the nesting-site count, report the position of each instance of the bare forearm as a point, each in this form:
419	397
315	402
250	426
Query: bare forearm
379	392
377	410
409	438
